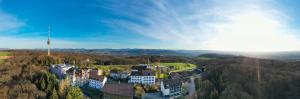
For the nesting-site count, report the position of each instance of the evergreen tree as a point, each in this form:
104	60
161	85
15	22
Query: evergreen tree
214	94
43	85
54	94
74	93
63	86
197	83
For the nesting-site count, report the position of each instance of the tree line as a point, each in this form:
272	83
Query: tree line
249	78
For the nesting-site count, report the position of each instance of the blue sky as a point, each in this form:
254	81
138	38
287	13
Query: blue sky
158	24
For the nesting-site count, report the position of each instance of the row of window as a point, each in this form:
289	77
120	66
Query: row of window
143	80
139	81
147	77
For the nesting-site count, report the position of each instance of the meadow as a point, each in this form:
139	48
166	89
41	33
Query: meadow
178	67
4	55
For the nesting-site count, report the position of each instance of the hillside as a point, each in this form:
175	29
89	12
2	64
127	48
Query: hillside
236	77
226	76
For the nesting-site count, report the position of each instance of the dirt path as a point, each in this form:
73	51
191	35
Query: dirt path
5	57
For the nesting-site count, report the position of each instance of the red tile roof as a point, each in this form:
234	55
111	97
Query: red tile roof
121	89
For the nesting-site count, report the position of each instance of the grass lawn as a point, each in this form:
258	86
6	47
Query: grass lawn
5	53
161	76
3	56
107	68
179	66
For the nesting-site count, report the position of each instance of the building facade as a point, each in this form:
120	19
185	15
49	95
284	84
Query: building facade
61	69
142	77
170	88
97	83
97	80
118	74
80	77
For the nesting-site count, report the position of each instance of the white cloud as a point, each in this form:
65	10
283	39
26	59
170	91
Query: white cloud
239	25
9	22
252	31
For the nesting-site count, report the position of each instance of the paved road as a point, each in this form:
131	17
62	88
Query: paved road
191	87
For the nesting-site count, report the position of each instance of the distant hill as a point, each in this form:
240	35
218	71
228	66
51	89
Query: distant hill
293	55
4	49
136	52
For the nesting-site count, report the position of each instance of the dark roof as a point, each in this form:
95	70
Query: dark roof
148	73
139	67
97	77
94	75
180	75
122	89
143	73
94	72
172	83
70	71
114	71
118	72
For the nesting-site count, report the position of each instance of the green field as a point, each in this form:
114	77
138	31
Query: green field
5	53
161	76
107	68
179	66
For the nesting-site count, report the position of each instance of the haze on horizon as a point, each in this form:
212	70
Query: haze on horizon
238	25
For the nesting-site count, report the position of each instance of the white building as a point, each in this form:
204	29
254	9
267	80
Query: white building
170	88
80	77
142	77
148	66
61	69
97	80
118	74
138	68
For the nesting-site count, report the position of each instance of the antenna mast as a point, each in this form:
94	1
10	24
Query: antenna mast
48	42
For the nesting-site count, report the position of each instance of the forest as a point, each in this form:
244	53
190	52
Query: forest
230	77
25	75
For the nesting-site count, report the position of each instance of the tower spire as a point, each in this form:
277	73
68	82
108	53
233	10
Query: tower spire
48	42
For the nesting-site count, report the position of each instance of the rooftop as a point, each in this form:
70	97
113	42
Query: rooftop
117	71
63	65
139	67
97	77
172	83
122	89
70	71
143	73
